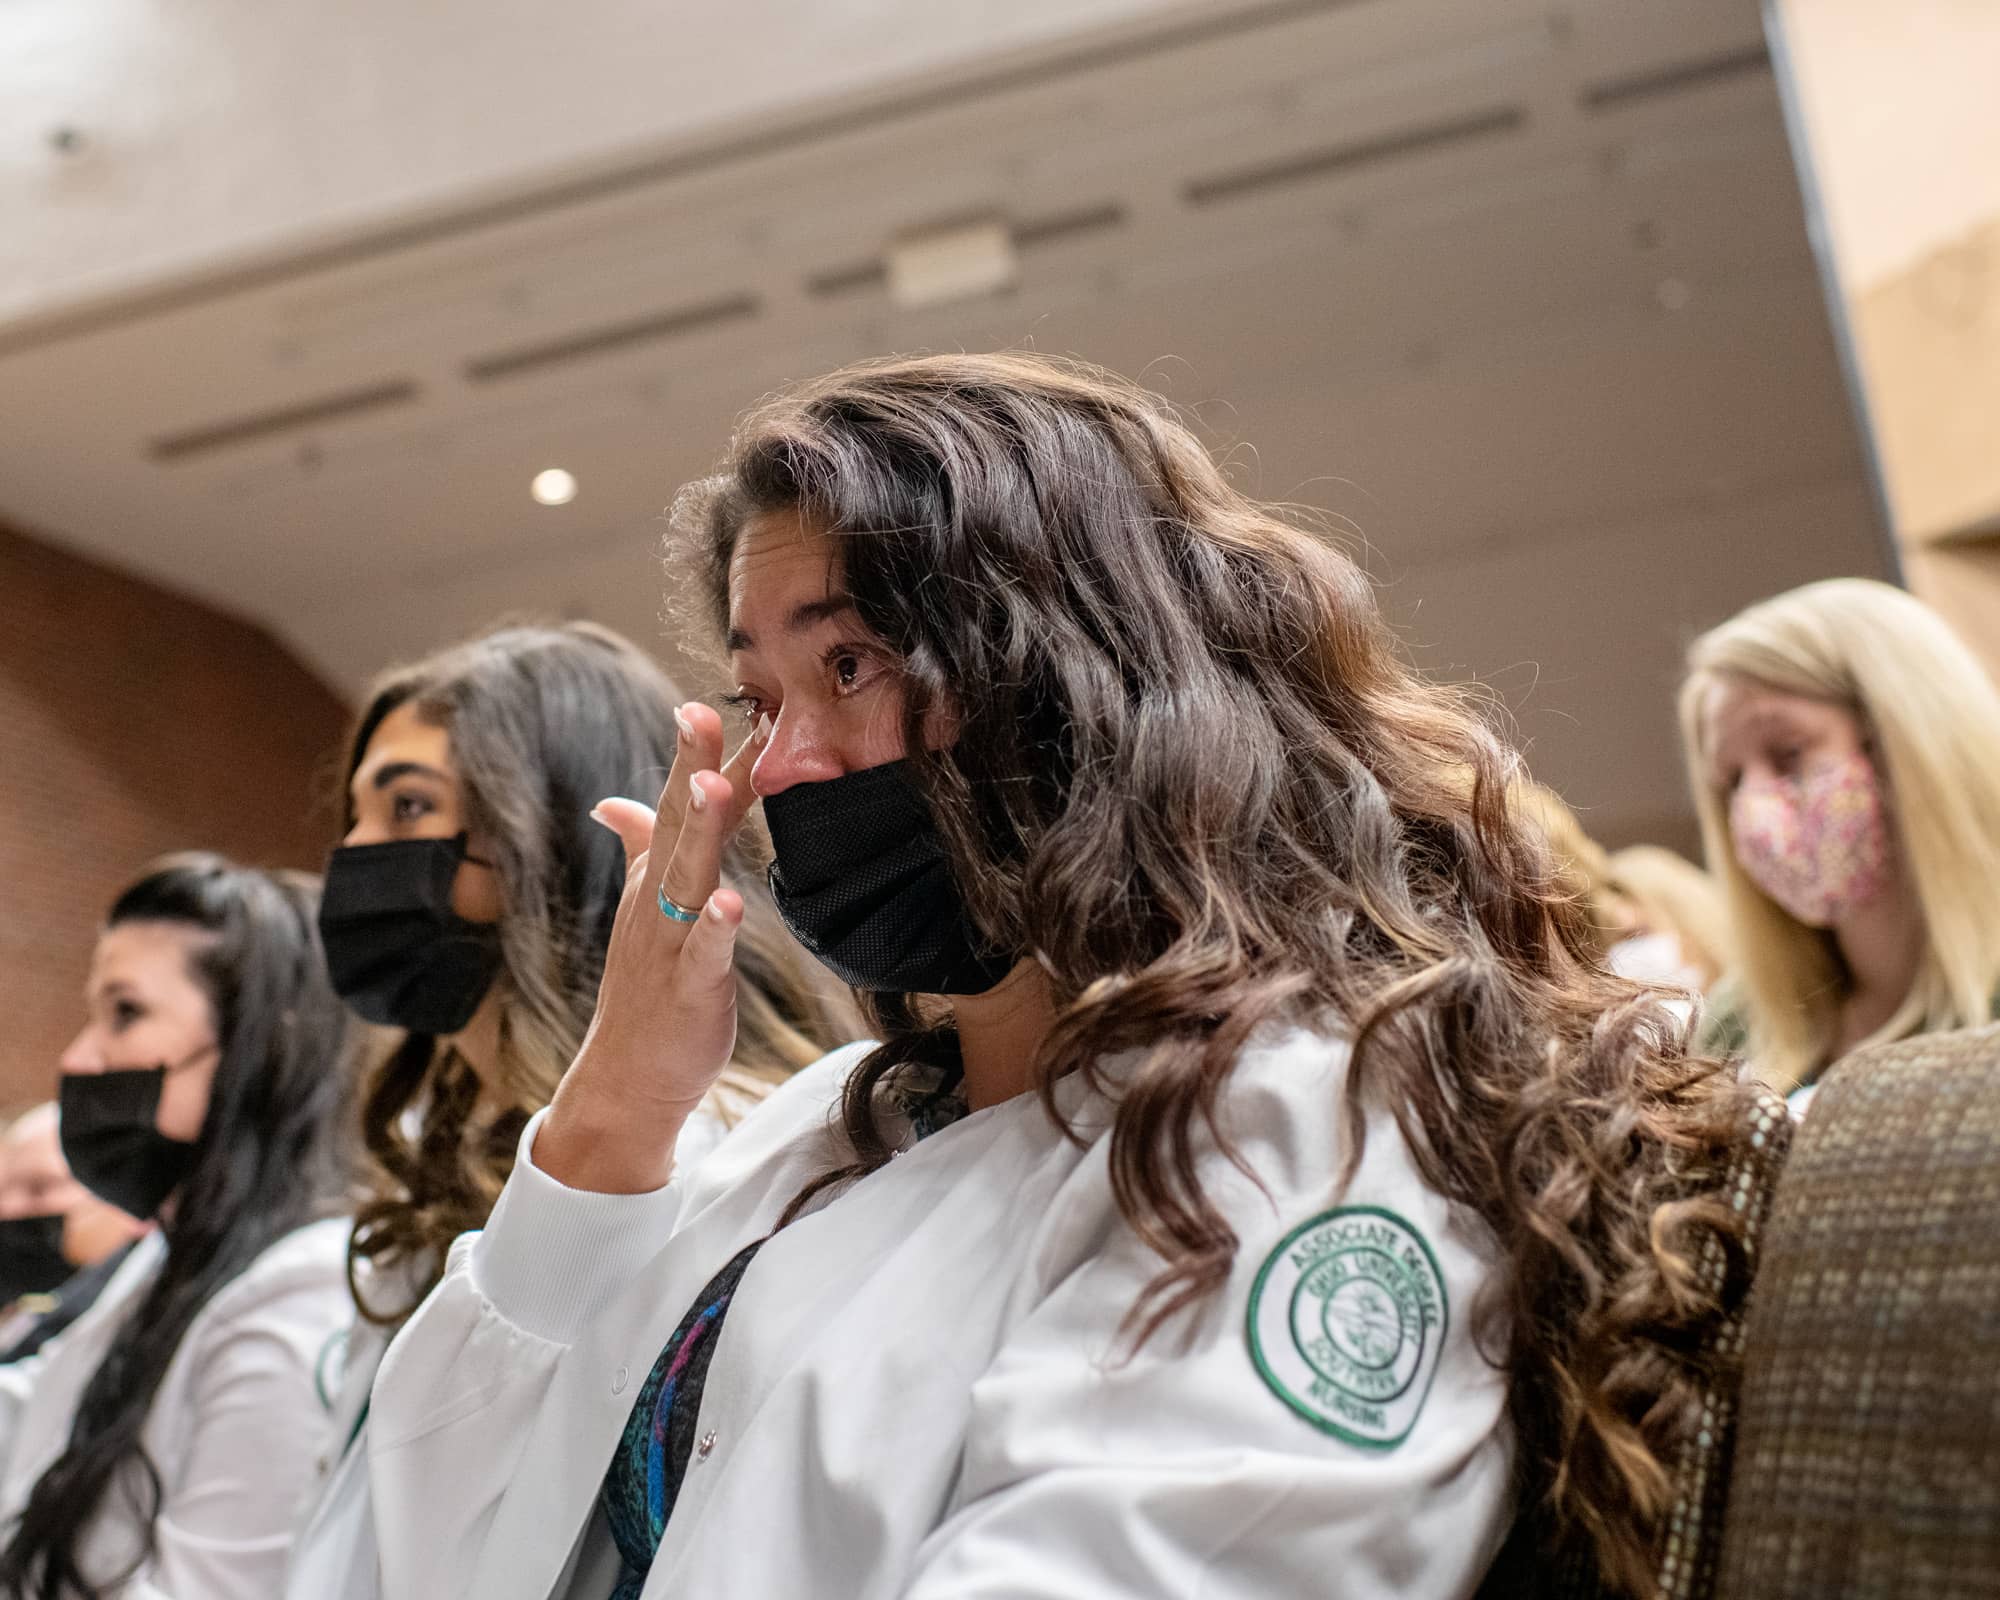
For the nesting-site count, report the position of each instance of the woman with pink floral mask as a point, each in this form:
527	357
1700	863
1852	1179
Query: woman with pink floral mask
1844	747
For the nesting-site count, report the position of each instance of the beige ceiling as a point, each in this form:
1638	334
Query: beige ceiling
1520	294
209	131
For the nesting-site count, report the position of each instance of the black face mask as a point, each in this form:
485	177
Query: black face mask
31	1258
110	1143
861	879
396	951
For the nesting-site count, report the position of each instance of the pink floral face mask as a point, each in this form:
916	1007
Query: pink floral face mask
1816	844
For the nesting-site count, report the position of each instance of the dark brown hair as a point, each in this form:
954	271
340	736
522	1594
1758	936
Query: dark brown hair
545	721
1195	778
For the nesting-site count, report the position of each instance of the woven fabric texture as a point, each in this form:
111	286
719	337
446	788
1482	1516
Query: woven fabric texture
1868	1457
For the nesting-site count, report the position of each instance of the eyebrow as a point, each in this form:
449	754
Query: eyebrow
1770	723
1756	728
802	616
389	772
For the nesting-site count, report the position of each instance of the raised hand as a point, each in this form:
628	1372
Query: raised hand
666	1011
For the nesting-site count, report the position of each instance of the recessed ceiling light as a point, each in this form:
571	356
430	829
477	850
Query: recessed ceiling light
553	486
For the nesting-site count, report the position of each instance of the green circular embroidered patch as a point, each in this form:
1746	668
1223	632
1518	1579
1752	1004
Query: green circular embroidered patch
1347	1321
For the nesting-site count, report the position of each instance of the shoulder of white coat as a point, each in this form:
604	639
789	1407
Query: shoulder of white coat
812	1089
148	1256
126	1287
1347	1302
308	1260
1280	1114
804	1106
1355	1295
1294	1062
700	1134
1283	1108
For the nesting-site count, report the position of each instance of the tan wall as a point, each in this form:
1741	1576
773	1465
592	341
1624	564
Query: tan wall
132	722
1903	136
1962	580
1929	341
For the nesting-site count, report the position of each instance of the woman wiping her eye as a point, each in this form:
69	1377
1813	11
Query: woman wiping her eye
1255	1191
59	1243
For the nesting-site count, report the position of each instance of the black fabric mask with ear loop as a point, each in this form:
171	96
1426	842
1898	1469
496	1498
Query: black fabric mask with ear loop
31	1258
110	1141
860	877
396	951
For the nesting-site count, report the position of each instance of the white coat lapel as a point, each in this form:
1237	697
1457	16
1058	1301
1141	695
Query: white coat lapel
68	1362
837	1280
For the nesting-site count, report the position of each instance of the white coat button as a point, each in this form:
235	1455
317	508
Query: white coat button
706	1446
618	1381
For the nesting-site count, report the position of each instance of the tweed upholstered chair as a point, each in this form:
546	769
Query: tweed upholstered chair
1530	1565
1867	1460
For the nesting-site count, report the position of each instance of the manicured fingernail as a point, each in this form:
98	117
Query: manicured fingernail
681	722
762	733
697	797
597	815
714	911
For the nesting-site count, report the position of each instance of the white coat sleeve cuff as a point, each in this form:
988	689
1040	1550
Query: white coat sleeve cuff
550	1256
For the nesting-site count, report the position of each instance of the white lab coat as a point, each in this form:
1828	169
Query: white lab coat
335	1555
232	1429
920	1391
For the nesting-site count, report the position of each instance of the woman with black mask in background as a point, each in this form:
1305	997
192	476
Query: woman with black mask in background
59	1243
160	1447
469	905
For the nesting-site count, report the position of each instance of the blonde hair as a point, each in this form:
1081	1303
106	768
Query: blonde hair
1582	867
1675	896
1934	718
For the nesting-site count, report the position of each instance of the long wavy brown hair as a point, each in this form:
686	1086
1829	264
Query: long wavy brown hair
1195	778
545	721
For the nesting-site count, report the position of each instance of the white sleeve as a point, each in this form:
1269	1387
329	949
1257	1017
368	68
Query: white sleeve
461	1388
231	1508
1182	1470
